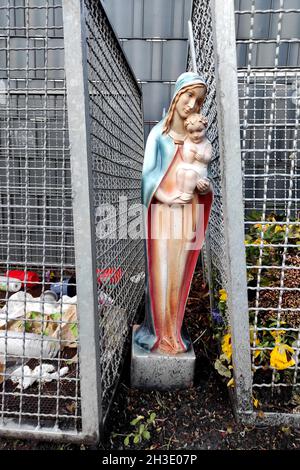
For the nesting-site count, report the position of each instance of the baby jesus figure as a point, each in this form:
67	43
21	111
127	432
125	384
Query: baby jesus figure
196	154
191	171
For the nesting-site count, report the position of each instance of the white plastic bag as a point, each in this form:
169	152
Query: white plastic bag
24	376
14	343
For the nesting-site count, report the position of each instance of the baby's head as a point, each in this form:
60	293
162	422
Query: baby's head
195	126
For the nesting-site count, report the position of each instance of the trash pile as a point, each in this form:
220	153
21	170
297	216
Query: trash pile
38	320
34	327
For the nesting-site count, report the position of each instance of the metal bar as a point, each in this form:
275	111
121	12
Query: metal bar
230	153
154	39
267	41
192	46
85	252
268	71
267	11
271	419
12	430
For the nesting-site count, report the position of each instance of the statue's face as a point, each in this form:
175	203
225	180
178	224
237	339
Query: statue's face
196	132
189	101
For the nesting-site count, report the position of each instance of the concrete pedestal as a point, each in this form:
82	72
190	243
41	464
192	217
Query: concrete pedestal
161	371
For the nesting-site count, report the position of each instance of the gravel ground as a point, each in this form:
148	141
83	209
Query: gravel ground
198	418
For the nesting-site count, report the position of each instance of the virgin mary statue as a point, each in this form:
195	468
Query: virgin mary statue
174	227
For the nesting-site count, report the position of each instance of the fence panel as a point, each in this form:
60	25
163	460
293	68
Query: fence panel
52	204
37	235
268	84
269	112
116	130
215	253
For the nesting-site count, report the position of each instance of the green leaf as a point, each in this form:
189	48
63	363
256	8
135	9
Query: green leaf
136	420
152	417
268	233
55	316
126	441
136	439
34	315
265	281
146	435
74	329
253	215
141	428
222	306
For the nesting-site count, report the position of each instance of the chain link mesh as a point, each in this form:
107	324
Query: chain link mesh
36	226
36	211
214	250
269	109
117	156
269	117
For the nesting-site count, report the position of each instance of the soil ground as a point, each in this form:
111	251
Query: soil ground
198	418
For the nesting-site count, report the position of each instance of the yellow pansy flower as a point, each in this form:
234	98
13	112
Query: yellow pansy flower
257	342
258	351
259	241
223	295
279	359
279	228
277	334
255	402
262	227
227	346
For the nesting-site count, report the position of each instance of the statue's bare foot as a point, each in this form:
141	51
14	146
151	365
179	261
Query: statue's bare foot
170	345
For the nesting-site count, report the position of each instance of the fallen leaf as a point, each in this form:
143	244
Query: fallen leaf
222	369
295	399
71	407
230	383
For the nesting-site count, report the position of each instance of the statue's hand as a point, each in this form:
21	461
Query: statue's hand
175	198
203	185
183	198
186	197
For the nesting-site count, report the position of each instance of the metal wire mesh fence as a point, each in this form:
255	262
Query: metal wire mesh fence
38	363
267	44
269	107
117	156
214	250
42	392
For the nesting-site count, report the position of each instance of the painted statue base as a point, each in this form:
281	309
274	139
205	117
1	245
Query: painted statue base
158	371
